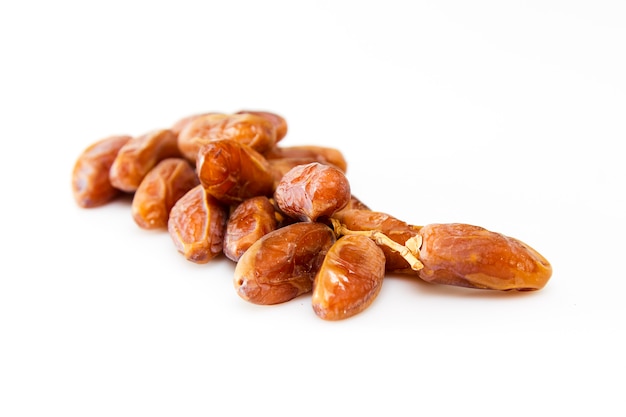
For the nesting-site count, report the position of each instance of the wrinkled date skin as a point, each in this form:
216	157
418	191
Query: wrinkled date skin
232	171
283	263
279	122
471	256
167	182
249	221
182	123
196	225
350	278
255	131
281	166
90	177
312	191
139	155
322	154
396	229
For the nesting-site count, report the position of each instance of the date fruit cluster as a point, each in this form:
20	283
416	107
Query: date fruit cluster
223	184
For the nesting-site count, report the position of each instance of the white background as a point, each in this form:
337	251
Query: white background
508	115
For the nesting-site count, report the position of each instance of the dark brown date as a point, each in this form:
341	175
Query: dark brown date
283	263
196	225
160	189
249	221
349	279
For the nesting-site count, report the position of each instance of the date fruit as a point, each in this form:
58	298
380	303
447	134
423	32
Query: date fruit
185	121
255	131
196	225
283	263
232	171
322	154
160	189
279	122
312	191
139	155
349	279
249	221
472	256
91	186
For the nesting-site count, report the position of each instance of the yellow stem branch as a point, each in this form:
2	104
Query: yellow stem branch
408	251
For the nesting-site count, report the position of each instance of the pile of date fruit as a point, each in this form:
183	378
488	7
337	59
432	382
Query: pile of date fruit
224	184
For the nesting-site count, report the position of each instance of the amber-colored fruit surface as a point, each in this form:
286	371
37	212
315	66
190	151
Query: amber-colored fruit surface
279	122
182	123
91	186
167	182
283	263
472	256
232	171
255	131
281	166
139	155
322	154
249	221
309	192
196	225
350	278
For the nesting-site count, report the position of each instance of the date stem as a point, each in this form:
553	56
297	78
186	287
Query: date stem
409	251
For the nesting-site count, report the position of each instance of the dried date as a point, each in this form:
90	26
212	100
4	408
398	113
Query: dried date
139	155
160	189
472	256
322	154
250	129
349	279
232	171
279	122
91	186
312	191
283	263
249	221
196	225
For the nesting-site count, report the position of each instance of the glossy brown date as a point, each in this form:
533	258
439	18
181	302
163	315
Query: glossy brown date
182	123
281	166
349	279
232	171
160	189
139	155
472	256
249	221
283	263
196	225
322	154
312	191
91	186
255	131
279	122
